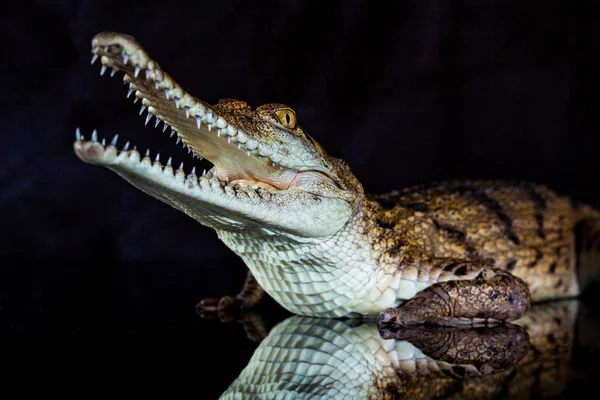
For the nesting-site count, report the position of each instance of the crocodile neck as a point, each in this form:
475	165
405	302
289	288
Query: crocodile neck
331	276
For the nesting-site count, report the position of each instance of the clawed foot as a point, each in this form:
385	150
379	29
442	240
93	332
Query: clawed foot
492	297
226	308
237	308
229	309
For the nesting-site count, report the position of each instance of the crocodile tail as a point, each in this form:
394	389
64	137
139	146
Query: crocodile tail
587	245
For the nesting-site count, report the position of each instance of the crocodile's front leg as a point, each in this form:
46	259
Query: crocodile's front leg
250	295
492	295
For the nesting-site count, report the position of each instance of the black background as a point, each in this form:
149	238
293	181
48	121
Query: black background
407	94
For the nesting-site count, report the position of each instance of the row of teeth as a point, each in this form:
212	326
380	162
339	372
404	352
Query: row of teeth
133	154
198	111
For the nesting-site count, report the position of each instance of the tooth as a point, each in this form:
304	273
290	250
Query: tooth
167	93
94	58
114	140
172	133
178	139
94	136
156	122
273	163
169	162
219	132
126	147
187	111
147	73
228	139
280	166
125	58
209	125
135	99
142	109
177	102
103	70
204	173
179	176
129	92
156	84
259	157
147	153
103	142
113	72
77	134
193	171
137	71
164	126
157	157
198	121
248	151
148	118
181	166
192	179
239	145
189	150
134	155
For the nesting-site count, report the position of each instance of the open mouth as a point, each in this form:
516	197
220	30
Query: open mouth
237	158
267	173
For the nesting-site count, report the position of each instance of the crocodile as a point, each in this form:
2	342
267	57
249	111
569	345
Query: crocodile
447	253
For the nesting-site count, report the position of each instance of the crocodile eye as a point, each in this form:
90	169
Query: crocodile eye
287	117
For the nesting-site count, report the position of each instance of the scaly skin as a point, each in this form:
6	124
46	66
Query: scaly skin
450	254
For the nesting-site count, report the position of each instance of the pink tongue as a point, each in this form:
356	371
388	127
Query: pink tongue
254	173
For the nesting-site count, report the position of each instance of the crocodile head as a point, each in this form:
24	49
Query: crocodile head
267	173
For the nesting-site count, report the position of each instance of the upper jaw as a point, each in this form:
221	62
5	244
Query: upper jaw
231	141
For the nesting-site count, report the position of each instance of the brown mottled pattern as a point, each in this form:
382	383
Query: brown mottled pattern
524	228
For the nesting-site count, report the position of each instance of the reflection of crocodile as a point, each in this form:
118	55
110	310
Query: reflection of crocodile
309	357
450	253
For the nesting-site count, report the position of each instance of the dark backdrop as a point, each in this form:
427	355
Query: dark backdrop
421	91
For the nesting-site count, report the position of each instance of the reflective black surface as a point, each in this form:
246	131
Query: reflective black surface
152	331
